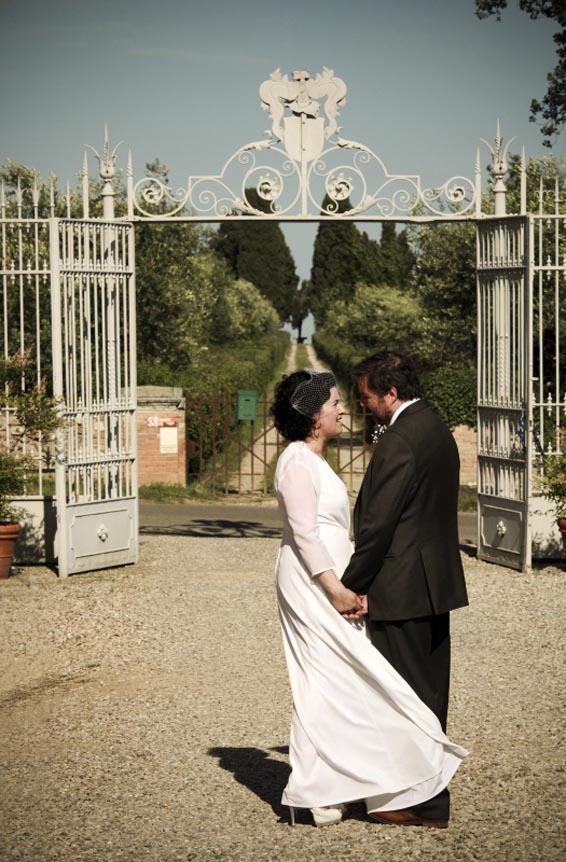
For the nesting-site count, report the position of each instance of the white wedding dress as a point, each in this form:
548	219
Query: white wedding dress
358	730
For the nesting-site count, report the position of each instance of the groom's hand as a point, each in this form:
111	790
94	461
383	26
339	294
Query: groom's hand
361	612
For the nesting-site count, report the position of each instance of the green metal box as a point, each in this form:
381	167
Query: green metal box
247	404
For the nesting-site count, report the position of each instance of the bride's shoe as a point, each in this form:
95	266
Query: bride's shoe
326	816
323	816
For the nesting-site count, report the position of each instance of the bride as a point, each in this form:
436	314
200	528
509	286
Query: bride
358	730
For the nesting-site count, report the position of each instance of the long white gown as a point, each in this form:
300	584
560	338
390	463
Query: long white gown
358	730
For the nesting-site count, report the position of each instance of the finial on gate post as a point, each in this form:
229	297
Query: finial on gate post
18	193
52	196
130	185
499	169
85	187
107	166
35	197
69	200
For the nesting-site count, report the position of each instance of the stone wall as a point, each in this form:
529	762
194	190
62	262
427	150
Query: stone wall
161	435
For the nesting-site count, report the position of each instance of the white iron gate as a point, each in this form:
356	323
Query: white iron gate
504	390
521	282
94	374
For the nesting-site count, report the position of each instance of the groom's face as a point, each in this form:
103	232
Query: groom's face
381	407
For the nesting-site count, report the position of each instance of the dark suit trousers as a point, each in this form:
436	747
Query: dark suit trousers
419	650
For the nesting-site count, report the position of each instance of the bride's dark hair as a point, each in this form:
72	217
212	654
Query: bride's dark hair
291	424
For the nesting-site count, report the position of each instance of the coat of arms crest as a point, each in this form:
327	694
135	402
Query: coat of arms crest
303	132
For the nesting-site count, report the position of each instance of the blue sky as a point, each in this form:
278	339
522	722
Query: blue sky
179	79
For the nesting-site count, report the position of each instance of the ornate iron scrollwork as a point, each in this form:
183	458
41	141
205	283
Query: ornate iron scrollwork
302	161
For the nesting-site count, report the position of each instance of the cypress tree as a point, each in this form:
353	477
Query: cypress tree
397	258
258	252
342	257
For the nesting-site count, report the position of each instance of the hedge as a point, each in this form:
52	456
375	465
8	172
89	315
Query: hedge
225	368
451	391
236	365
338	355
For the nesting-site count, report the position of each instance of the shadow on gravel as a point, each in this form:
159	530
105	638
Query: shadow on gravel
265	777
217	528
257	771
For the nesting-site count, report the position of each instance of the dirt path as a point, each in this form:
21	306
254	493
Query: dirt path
263	449
352	457
145	716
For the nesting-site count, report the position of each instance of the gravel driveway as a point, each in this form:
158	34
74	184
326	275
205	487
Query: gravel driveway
145	715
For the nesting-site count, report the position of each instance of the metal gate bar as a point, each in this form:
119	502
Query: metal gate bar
94	375
504	347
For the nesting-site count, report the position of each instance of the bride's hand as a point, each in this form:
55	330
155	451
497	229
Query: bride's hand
361	612
345	601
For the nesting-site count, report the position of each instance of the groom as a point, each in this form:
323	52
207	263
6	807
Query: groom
407	557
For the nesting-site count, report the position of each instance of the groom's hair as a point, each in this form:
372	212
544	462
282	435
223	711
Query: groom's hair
386	369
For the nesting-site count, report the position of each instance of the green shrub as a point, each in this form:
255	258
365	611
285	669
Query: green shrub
338	355
159	492
467	499
238	365
231	366
452	393
155	373
31	415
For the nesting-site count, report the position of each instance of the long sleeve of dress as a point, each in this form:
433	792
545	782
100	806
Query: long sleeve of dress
297	494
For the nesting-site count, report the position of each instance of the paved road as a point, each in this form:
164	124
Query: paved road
230	520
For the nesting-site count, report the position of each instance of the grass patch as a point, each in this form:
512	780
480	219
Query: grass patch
467	499
301	357
160	492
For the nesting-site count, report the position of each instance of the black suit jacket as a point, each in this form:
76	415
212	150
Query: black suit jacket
407	556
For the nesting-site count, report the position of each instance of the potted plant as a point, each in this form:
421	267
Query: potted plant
29	414
553	483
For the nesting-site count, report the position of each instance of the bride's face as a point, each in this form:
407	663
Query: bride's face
329	420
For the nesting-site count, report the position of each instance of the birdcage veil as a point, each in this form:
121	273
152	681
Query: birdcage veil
311	394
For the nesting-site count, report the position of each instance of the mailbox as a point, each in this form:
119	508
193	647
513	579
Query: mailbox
247	404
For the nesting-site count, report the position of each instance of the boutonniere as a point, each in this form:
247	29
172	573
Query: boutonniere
377	432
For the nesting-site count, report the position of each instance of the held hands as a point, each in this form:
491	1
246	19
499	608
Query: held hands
343	600
347	603
361	611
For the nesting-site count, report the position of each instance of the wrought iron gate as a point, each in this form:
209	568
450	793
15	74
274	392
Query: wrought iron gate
303	161
94	375
504	390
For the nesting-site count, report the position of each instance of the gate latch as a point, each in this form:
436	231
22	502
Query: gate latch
501	528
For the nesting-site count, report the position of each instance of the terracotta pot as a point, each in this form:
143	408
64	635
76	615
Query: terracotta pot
8	537
562	527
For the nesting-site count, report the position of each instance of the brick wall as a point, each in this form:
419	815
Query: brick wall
466	440
161	435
